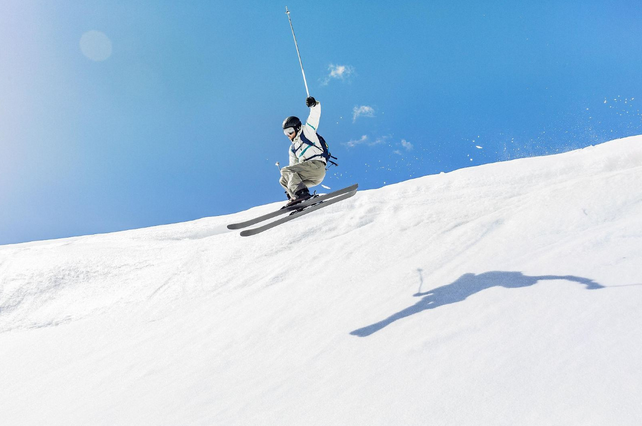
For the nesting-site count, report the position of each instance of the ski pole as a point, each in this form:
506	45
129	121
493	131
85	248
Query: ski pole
287	12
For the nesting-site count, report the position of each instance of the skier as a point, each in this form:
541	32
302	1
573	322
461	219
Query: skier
307	163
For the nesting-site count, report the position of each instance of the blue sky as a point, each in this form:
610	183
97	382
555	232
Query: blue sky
124	114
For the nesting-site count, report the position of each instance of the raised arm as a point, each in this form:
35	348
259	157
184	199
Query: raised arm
311	126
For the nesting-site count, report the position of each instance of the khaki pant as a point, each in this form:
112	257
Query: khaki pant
303	175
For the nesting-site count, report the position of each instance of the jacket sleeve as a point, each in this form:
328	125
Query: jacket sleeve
293	159
311	126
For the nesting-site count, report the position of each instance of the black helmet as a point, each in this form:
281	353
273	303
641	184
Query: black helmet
292	122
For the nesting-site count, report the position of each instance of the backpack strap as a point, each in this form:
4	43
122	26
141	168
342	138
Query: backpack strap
309	144
325	153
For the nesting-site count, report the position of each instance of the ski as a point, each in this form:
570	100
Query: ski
302	211
295	207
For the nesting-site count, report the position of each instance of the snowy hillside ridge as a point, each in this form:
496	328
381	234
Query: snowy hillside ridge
509	293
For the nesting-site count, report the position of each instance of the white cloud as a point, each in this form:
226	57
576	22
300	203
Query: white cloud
406	145
352	143
365	140
341	72
338	72
362	111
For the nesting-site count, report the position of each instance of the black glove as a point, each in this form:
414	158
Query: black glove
310	101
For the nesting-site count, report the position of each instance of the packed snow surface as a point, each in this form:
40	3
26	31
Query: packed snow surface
506	294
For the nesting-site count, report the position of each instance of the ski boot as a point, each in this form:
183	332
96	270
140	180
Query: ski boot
300	196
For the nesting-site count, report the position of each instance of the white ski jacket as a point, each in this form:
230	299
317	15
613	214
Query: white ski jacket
300	150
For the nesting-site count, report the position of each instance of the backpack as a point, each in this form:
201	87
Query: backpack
324	146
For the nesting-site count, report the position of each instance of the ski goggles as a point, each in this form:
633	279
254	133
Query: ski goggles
289	131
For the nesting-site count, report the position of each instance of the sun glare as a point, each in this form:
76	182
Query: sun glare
95	45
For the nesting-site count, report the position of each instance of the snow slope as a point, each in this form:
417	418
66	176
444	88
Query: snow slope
504	294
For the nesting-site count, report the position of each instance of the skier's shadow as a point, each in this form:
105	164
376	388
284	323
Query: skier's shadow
466	286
